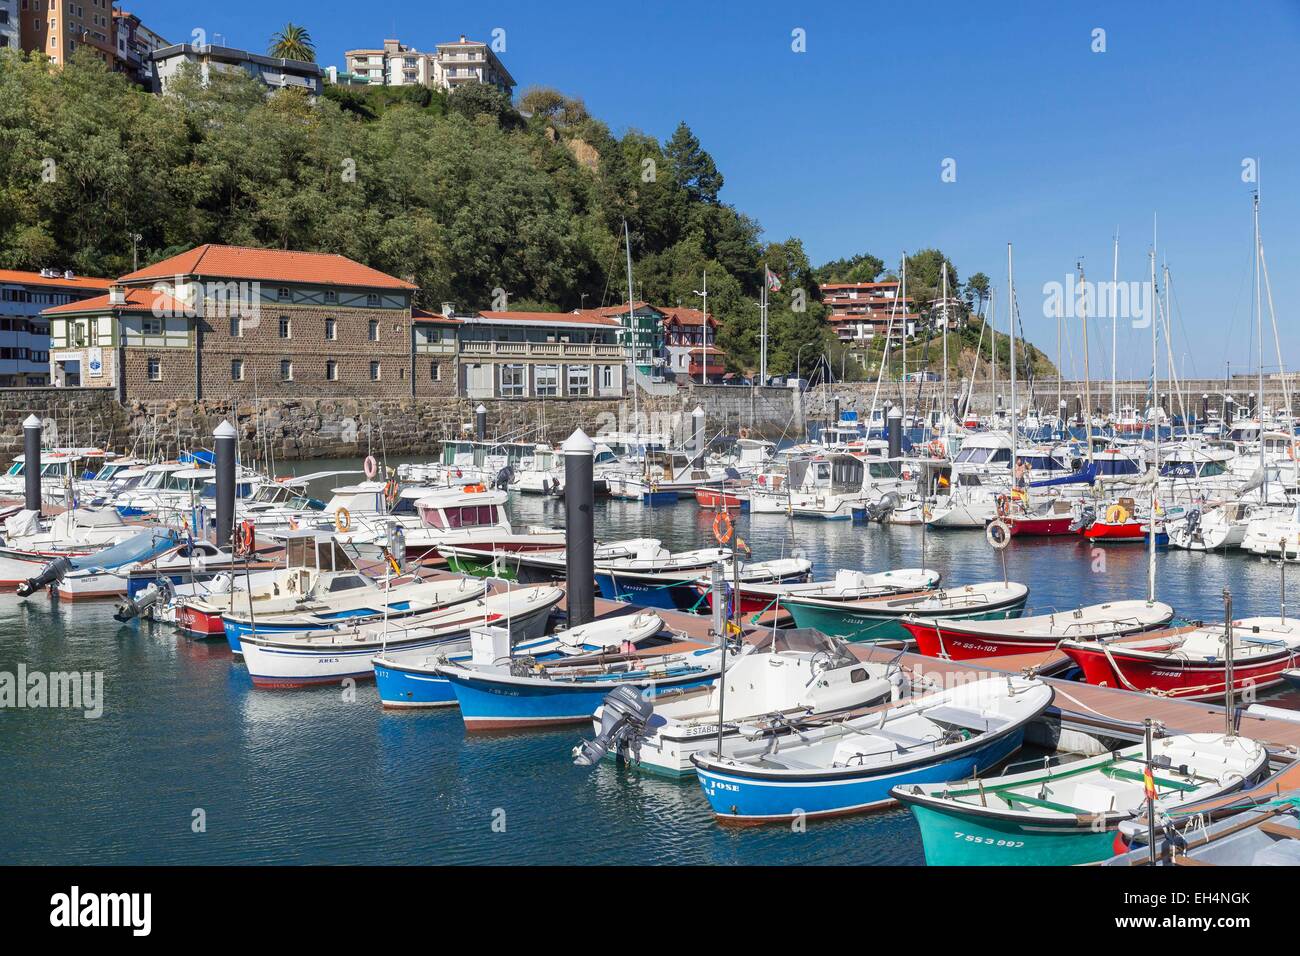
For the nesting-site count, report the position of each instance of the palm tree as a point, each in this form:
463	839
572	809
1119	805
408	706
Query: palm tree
293	43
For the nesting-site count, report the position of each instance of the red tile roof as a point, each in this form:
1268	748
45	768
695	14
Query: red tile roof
137	300
268	265
888	284
688	316
435	318
57	282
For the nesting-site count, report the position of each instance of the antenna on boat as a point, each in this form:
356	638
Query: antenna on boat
1229	701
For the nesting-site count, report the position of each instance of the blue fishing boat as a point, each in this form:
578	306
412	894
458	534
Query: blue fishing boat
522	694
835	767
405	680
672	585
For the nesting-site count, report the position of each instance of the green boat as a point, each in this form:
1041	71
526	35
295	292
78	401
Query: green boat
879	618
1068	814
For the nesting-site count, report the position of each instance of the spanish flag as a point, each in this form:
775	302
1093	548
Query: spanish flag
1148	782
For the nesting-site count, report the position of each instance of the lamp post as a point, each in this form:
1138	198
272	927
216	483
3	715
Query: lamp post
704	330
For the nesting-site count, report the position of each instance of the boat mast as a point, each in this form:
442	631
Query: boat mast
944	412
1087	369
903	302
1155	401
1011	330
1259	333
1114	328
993	352
631	328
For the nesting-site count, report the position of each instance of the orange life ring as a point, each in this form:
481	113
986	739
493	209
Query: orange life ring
722	527
245	538
473	489
342	520
936	449
391	491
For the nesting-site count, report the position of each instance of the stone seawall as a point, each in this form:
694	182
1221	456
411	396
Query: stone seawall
286	429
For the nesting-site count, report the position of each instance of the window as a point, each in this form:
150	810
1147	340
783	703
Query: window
374	371
607	378
374	330
236	370
283	294
513	381
546	380
236	327
286	370
331	370
331	297
372	300
155	370
579	380
286	327
435	372
151	326
331	330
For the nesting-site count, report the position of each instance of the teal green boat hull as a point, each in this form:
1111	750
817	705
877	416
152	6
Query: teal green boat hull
856	624
959	839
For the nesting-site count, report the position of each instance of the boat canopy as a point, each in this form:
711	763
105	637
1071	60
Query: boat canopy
144	546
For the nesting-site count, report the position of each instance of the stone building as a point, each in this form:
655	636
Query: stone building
226	322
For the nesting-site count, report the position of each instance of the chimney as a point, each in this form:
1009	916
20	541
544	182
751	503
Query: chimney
67	273
449	309
462	38
116	295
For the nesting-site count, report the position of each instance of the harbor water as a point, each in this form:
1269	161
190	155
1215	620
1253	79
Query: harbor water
189	764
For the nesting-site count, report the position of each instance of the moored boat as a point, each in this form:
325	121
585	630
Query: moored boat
967	640
880	618
848	766
1068	814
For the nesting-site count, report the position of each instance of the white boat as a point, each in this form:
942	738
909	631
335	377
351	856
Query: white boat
802	675
336	653
1218	528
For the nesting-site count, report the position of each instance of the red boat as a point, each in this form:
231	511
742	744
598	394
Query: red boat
199	621
969	639
1189	662
723	499
1041	525
1121	523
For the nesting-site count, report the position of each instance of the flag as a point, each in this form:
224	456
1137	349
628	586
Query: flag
773	280
1149	782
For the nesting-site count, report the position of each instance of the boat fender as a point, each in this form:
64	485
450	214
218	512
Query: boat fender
371	467
998	534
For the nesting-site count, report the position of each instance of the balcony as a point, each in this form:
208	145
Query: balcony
543	351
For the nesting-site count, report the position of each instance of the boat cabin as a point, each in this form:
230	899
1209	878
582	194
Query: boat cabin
473	506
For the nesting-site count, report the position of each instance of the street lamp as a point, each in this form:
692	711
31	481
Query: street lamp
704	332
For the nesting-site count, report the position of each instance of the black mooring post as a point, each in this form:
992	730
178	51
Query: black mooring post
894	428
224	438
32	462
579	528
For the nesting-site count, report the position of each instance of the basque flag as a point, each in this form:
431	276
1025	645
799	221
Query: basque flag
773	280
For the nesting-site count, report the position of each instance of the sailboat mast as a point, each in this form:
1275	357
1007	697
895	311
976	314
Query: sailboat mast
993	350
945	340
903	303
1259	333
631	328
1114	328
1087	368
1155	413
1011	330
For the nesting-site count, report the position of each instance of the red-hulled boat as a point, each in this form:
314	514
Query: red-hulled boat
733	498
1056	519
199	620
969	639
1189	662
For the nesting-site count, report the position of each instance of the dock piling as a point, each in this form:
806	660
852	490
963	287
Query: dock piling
579	528
32	462
480	422
697	435
894	429
224	437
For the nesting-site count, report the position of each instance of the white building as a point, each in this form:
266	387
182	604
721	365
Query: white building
275	73
454	64
24	334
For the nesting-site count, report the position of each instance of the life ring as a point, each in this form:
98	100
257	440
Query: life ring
722	527
342	520
762	480
1290	451
370	466
391	491
245	538
1116	514
473	489
936	449
998	534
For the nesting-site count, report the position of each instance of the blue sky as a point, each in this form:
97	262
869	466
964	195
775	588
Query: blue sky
1055	146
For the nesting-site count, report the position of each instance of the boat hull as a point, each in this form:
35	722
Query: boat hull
854	623
745	800
1193	680
957	839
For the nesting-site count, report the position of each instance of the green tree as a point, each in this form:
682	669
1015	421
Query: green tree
693	168
293	42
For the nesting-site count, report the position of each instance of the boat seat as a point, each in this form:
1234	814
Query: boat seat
1094	797
964	717
1028	801
1118	773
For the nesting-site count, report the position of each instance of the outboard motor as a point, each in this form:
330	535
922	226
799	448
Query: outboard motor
1087	518
504	477
623	718
159	592
881	510
52	573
